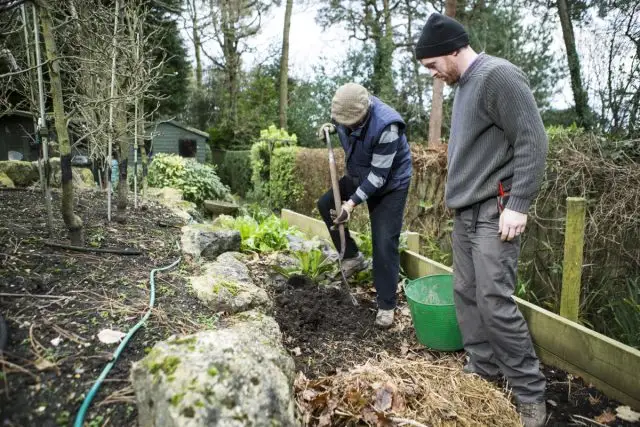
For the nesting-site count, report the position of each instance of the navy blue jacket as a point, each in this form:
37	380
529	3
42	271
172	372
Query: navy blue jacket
377	154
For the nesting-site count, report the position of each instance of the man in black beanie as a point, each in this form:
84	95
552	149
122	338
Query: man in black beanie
496	155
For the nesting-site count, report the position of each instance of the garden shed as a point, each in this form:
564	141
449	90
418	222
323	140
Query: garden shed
173	137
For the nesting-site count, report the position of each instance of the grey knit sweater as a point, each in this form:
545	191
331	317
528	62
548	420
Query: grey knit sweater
496	134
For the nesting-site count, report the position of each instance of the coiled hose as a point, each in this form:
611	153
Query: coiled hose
87	401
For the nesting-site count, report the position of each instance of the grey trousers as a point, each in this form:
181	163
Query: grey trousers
495	335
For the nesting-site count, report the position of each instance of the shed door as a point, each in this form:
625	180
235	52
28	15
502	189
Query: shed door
188	147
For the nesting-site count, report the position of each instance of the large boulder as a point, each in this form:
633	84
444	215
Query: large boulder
5	181
219	207
81	177
166	194
23	174
207	241
171	198
235	376
227	286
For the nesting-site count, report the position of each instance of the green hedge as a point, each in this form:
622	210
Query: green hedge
270	139
235	171
260	164
285	188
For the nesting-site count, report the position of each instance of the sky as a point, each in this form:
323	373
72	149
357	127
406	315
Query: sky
310	45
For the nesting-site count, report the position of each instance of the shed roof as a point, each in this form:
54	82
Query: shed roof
185	127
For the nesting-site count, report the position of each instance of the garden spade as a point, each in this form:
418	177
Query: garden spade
338	204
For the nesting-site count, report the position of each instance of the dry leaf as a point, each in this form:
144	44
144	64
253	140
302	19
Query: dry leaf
594	400
404	348
626	414
309	395
300	381
44	364
109	336
399	404
384	397
605	418
370	416
325	418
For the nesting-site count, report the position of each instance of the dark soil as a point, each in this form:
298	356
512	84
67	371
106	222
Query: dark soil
48	293
569	397
327	334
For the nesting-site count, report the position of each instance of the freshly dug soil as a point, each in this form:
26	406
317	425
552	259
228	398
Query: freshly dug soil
328	333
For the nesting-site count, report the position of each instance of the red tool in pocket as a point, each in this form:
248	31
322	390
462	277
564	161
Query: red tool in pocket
503	196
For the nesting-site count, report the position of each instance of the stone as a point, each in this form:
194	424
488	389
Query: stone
81	177
23	174
218	207
5	181
166	194
204	240
227	286
235	376
171	198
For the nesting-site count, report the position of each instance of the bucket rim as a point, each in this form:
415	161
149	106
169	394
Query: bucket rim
411	281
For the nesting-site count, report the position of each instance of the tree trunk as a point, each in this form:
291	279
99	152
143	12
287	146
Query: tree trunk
42	127
284	66
579	94
143	151
71	220
232	60
196	43
111	102
416	65
123	151
435	119
382	34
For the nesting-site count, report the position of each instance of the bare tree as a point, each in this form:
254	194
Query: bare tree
579	94
230	23
71	220
192	10
435	119
284	65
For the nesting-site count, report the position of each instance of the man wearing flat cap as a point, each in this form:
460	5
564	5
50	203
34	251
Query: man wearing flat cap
378	166
496	155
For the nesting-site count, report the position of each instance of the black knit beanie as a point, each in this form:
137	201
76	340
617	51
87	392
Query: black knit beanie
441	36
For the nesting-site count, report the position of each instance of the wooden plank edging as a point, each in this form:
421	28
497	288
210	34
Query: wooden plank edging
612	367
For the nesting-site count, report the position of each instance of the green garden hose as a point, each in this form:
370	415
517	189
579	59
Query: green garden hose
87	401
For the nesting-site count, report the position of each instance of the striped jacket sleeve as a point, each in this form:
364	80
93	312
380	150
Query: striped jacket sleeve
383	154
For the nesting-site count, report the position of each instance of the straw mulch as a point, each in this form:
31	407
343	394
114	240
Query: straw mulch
392	391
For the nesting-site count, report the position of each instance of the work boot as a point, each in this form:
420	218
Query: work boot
384	318
353	265
533	414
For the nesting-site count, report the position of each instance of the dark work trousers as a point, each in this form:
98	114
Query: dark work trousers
494	333
385	213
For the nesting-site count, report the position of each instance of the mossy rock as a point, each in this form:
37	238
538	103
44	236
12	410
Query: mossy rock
5	181
218	207
82	177
23	174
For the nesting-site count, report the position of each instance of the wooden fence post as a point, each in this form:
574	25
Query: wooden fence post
413	241
573	254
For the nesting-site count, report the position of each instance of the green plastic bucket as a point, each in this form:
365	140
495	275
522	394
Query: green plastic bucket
433	312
